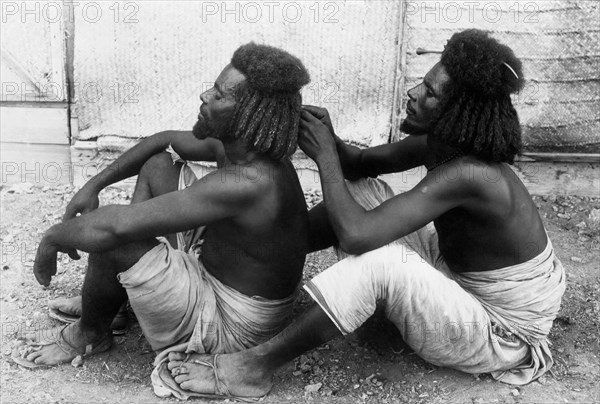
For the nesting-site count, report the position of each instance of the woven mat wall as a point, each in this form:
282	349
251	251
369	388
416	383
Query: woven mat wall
137	78
559	44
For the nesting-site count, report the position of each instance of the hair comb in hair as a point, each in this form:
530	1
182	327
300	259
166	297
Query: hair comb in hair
421	51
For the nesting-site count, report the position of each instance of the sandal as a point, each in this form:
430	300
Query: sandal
221	390
68	310
102	345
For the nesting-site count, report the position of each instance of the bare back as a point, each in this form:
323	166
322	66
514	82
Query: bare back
498	226
262	250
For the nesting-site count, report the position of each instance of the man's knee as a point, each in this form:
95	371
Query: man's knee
157	163
123	257
160	173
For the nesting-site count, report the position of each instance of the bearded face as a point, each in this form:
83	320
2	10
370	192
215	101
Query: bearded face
425	102
218	104
204	128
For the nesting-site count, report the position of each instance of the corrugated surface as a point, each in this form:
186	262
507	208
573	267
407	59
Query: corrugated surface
559	44
138	77
31	52
151	72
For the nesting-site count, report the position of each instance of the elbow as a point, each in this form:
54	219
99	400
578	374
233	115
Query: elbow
115	230
354	244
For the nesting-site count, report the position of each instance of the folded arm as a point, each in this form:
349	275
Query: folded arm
130	163
204	202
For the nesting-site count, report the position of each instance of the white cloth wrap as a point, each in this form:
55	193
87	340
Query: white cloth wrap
491	321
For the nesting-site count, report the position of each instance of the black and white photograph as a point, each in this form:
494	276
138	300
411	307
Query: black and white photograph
346	201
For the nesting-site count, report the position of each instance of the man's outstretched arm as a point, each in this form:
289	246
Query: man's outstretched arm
358	163
358	230
206	201
130	163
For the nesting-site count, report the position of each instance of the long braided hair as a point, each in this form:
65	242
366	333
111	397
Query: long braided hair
478	116
267	113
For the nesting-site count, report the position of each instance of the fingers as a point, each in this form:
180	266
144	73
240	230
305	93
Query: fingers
316	111
69	214
42	278
308	116
73	254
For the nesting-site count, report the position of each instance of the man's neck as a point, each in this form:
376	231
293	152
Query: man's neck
237	152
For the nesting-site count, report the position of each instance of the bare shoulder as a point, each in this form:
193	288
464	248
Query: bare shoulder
233	184
480	185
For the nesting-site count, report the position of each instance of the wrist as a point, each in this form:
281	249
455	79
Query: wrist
50	236
94	185
326	159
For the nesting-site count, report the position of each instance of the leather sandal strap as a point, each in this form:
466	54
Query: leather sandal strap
220	387
66	347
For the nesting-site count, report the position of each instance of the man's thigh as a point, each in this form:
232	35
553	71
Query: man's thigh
164	289
442	322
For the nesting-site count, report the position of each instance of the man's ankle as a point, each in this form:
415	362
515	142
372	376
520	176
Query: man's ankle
91	332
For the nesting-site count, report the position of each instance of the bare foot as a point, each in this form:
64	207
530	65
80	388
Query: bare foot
70	306
235	371
60	347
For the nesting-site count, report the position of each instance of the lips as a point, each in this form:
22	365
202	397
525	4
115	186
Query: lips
201	115
409	110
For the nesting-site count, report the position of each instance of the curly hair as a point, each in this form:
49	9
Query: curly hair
477	115
267	113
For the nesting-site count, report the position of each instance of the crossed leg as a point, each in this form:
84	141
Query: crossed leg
102	293
249	373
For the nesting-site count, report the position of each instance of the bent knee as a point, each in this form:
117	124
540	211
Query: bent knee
123	257
160	173
157	163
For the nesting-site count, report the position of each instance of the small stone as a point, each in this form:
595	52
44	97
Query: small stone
563	216
77	361
515	392
478	401
296	373
576	259
595	216
24	187
312	388
581	225
5	267
356	386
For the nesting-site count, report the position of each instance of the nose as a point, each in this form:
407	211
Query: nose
204	96
412	93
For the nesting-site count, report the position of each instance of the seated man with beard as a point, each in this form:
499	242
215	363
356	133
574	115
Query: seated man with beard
461	264
241	231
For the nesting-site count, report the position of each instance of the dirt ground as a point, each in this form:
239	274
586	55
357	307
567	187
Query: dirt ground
371	365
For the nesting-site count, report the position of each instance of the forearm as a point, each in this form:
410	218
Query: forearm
350	160
130	162
345	215
93	232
